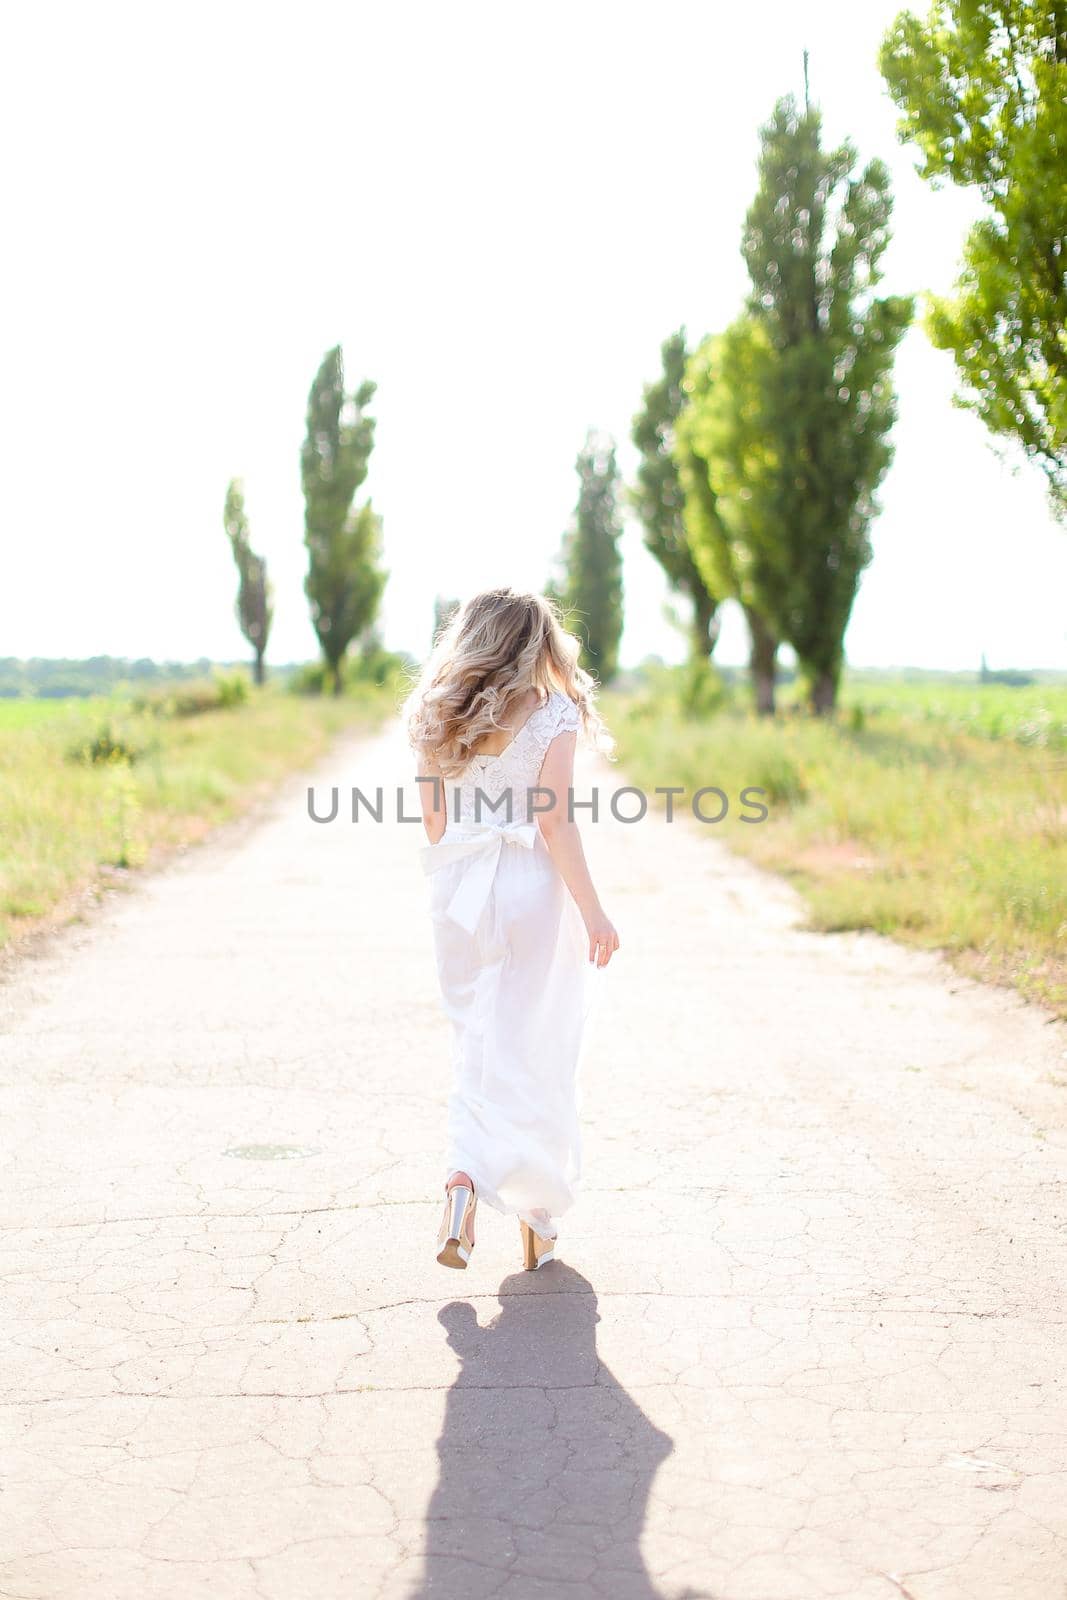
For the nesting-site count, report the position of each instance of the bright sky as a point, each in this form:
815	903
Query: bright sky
500	211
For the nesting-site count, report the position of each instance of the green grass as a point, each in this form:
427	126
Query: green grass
34	713
67	824
1034	715
931	828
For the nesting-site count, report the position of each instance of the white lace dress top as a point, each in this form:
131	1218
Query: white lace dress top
512	774
516	981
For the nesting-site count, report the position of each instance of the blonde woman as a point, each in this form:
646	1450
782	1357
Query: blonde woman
519	929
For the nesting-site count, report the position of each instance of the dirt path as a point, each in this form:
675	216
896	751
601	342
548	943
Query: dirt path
808	1339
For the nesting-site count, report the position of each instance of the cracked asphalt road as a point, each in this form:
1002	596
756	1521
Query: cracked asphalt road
806	1338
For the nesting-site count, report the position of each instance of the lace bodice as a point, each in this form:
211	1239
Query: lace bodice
517	768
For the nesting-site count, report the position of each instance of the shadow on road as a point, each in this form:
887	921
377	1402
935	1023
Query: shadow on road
545	1461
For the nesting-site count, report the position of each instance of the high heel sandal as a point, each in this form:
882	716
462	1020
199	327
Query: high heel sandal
456	1236
536	1250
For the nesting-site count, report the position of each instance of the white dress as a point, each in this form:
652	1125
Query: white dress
513	963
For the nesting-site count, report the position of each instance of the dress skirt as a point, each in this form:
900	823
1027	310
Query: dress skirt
518	988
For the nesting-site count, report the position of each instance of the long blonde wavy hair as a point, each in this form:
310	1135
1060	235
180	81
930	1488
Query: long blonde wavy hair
485	658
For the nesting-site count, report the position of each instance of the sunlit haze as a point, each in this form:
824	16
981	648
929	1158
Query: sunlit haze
499	212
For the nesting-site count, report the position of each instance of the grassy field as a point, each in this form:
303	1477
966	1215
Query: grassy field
69	824
930	814
1034	715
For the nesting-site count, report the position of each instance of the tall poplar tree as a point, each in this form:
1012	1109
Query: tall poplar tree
591	590
658	496
255	610
726	467
982	89
813	243
345	578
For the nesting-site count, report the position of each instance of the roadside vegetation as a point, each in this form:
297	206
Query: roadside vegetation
935	813
92	789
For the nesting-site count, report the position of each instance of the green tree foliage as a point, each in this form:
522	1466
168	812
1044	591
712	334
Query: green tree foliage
982	88
255	610
726	467
345	579
658	496
823	402
590	592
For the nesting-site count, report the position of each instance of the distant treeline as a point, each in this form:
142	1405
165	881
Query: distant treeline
59	678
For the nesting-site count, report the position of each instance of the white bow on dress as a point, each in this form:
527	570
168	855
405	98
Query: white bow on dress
485	843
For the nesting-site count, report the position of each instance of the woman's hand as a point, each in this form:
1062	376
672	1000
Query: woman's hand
560	833
603	940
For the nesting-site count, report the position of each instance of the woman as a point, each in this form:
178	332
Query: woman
518	927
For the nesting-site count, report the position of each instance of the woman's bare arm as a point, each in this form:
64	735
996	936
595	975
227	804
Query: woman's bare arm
432	796
564	840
